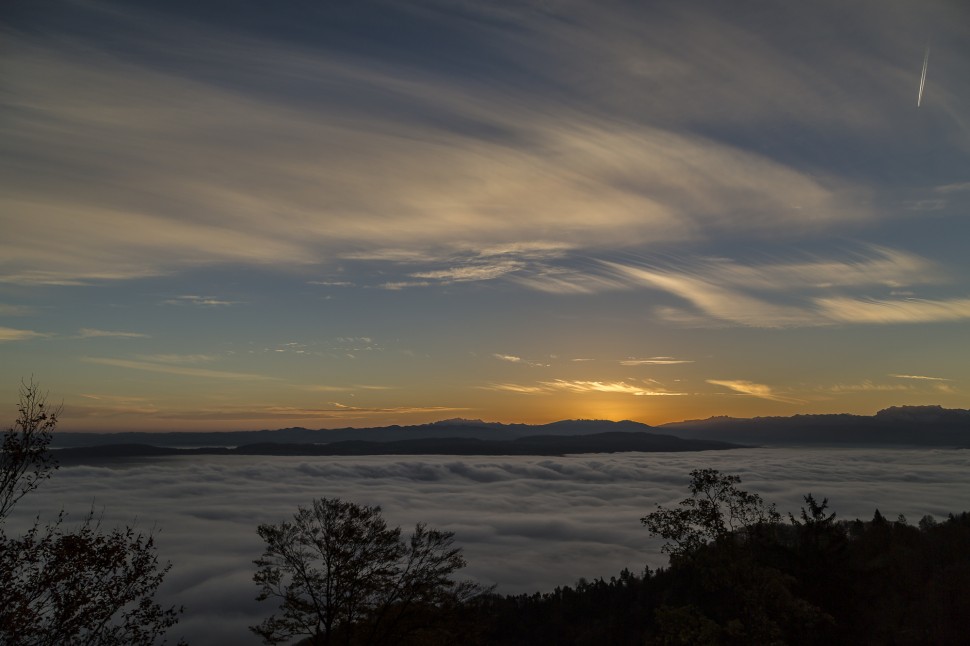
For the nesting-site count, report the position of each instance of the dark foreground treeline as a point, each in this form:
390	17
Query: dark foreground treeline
812	581
807	580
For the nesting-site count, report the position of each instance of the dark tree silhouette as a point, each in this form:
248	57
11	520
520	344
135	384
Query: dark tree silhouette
716	509
343	576
25	460
727	590
811	581
86	586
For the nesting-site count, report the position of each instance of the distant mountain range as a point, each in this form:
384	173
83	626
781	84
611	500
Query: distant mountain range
901	425
609	442
449	428
898	425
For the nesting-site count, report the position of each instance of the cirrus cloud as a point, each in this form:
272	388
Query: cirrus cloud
761	391
545	178
14	334
582	387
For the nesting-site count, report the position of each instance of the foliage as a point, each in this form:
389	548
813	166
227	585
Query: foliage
814	517
86	586
24	459
814	580
617	611
343	576
717	508
726	592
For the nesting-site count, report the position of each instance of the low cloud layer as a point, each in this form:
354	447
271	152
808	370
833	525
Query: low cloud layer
525	524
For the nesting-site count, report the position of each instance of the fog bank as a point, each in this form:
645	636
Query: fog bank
525	523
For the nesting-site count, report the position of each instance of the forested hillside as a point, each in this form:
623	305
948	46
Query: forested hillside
864	582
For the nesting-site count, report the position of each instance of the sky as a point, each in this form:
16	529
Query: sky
245	215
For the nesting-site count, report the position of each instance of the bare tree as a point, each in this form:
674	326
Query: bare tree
60	586
25	459
343	576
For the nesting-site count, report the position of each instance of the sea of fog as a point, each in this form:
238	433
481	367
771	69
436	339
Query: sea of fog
525	523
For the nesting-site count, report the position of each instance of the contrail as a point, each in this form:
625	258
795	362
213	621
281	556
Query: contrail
922	80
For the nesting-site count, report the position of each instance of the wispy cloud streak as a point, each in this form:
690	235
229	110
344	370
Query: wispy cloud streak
556	178
761	391
584	387
184	371
14	334
92	333
654	361
910	310
799	293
